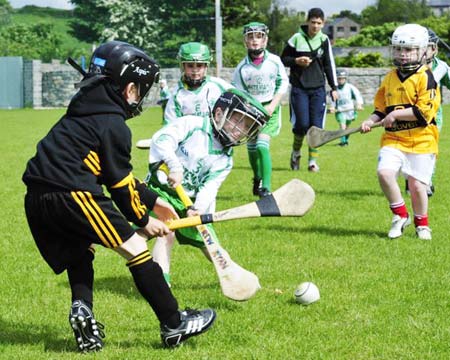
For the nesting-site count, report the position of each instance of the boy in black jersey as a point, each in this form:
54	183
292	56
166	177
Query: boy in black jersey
67	210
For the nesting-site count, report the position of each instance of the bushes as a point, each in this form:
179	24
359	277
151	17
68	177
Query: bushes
354	59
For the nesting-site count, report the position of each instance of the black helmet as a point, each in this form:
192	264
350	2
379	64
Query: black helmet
123	64
235	101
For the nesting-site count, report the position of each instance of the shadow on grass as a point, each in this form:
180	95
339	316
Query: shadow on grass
124	286
351	193
323	230
32	334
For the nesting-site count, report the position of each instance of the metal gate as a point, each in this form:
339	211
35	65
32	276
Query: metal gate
11	82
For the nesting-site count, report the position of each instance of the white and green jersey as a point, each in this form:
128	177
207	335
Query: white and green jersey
196	102
348	94
441	73
188	145
262	81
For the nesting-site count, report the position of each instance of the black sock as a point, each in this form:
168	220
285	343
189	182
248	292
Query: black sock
150	282
81	278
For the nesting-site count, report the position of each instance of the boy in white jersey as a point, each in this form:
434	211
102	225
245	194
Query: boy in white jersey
263	76
195	92
198	153
344	106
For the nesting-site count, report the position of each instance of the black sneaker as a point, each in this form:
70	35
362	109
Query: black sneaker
295	161
193	323
88	332
263	192
430	190
256	186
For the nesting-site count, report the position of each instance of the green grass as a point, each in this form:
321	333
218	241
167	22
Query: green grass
380	299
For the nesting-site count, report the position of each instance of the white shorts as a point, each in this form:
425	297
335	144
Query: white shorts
418	166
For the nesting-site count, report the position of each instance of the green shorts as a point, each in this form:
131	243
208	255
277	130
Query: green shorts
273	126
185	236
344	117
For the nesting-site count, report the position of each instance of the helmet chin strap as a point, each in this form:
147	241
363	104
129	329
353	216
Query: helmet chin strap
255	52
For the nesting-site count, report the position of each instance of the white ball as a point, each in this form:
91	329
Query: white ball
306	293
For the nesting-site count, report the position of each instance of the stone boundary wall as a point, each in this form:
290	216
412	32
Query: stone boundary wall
52	85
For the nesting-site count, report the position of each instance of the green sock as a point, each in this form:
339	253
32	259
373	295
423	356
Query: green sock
254	160
265	162
313	154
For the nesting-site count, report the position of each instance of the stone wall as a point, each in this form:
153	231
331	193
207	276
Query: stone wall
52	85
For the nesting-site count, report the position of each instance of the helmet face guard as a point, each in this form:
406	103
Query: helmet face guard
123	63
252	28
194	52
433	41
239	119
409	46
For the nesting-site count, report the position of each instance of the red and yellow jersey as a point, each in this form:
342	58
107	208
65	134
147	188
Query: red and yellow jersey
420	92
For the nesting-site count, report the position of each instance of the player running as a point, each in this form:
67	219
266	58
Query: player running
344	106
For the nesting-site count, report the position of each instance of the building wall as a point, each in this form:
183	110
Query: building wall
52	85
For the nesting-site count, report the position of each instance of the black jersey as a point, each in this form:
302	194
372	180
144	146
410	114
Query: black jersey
88	147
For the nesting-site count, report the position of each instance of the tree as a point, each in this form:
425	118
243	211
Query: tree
5	12
406	11
348	14
38	41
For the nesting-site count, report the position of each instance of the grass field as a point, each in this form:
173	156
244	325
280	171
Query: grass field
380	299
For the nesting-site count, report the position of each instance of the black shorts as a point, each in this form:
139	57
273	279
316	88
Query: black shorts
65	224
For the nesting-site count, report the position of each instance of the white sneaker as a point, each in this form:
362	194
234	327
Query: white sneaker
398	225
313	167
423	232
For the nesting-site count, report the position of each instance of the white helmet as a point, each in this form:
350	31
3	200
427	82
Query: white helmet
409	46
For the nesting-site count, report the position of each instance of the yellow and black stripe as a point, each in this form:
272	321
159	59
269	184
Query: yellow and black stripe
97	218
92	161
139	259
138	207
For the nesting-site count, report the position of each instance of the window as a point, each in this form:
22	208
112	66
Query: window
353	28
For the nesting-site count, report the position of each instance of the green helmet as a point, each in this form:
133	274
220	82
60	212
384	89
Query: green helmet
194	52
255	27
230	129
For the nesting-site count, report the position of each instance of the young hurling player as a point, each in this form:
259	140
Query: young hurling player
344	106
67	210
262	74
198	152
195	92
406	105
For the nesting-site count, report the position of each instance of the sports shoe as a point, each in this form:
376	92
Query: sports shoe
256	186
343	143
263	192
423	232
193	323
88	332
313	167
430	190
295	160
398	225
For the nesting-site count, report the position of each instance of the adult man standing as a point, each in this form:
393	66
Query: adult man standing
309	56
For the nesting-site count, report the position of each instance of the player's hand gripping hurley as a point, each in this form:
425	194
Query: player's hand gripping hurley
236	282
317	137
